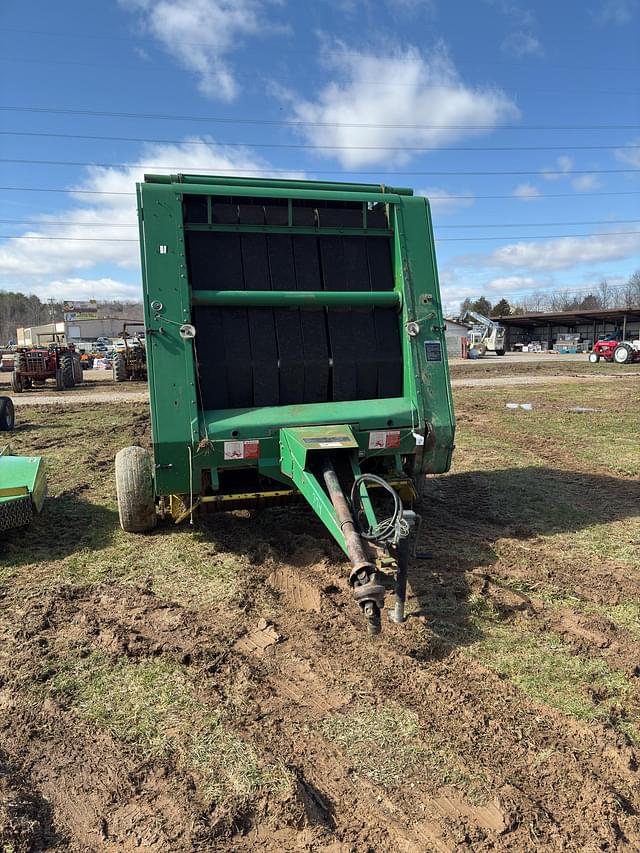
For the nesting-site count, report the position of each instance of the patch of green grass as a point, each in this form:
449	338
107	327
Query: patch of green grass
152	705
385	744
546	670
625	614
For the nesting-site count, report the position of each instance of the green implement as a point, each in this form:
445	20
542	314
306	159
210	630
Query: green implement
23	488
295	347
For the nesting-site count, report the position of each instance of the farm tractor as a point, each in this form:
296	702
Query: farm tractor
485	336
22	478
33	366
296	349
621	352
130	358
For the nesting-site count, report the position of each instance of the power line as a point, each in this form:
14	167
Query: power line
537	224
359	54
238	72
537	236
438	239
45	222
184	188
296	145
74	239
291	123
251	171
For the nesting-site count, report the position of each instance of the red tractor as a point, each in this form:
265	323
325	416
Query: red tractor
34	365
622	352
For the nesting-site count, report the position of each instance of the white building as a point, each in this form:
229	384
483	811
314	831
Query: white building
455	333
70	331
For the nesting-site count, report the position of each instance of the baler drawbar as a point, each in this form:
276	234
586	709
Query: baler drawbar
295	347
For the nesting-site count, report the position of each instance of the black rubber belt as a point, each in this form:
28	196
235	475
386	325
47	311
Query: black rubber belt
287	321
262	330
344	346
313	321
356	269
385	320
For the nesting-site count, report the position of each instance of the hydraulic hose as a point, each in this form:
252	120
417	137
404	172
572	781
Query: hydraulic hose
391	529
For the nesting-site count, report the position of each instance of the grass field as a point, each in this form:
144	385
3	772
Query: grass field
505	715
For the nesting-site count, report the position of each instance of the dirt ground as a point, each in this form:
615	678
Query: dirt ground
213	688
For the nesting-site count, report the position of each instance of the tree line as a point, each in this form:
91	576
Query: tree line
18	309
601	296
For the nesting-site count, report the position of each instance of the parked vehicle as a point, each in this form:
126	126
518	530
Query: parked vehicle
33	366
620	352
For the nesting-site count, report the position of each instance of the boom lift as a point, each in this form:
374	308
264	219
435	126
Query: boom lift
486	335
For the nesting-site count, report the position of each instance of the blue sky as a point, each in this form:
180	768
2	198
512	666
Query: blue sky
421	93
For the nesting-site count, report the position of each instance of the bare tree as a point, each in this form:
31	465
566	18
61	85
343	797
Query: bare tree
605	294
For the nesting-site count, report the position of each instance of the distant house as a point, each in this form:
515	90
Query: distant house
455	333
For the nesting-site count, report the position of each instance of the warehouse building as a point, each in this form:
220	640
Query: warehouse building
547	327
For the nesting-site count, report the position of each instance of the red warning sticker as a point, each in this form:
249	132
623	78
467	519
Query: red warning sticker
388	439
242	449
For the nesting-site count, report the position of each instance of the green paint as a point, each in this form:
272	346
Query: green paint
295	298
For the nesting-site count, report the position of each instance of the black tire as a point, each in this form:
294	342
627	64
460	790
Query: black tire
120	367
68	373
594	357
16	383
77	370
59	380
623	354
7	414
499	352
16	513
135	491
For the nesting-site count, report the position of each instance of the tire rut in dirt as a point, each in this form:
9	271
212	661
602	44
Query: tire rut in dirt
571	792
101	796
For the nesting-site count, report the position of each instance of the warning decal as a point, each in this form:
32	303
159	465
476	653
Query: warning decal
242	449
384	439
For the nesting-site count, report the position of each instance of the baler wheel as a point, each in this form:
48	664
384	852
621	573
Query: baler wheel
119	367
16	513
134	488
7	414
68	372
16	383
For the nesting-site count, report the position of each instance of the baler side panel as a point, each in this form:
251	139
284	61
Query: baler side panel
426	372
172	377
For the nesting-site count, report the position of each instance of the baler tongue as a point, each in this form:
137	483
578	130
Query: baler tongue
310	456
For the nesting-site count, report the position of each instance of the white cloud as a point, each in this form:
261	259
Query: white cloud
519	44
527	192
562	166
583	183
510	283
443	202
33	265
413	7
351	112
558	253
200	34
90	288
406	8
629	155
617	11
521	41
